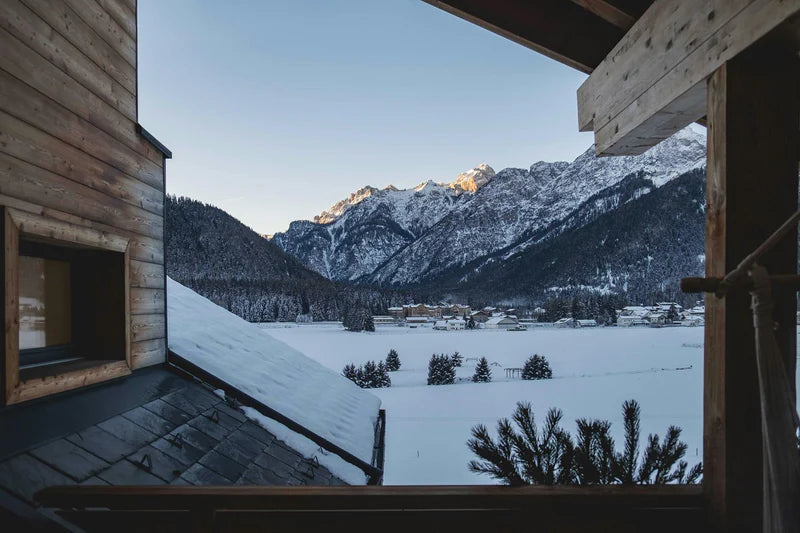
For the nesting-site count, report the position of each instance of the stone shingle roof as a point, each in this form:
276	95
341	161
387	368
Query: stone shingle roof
187	436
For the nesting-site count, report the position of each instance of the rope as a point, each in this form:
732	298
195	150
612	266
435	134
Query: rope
779	418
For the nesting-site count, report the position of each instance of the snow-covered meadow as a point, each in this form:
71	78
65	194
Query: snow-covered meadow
594	371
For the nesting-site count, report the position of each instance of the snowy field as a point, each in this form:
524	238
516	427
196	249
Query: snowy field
594	371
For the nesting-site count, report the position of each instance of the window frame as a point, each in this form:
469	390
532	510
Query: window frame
16	225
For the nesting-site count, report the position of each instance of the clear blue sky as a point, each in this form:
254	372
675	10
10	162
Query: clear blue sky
277	109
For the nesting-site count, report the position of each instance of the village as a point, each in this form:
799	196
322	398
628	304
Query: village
449	317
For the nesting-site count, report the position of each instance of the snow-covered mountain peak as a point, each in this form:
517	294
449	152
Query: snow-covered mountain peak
427	186
339	208
472	180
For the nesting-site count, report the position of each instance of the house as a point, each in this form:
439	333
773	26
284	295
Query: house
666	306
656	319
383	319
94	388
730	65
699	309
692	321
481	316
459	310
416	310
501	322
433	311
397	313
415	321
631	320
566	322
585	323
450	324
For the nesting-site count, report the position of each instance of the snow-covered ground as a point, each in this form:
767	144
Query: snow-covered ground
594	371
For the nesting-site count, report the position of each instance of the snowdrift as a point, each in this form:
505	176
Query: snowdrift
271	371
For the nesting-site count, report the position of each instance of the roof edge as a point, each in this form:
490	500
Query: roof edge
373	473
152	140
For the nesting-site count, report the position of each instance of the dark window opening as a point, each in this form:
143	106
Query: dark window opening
71	308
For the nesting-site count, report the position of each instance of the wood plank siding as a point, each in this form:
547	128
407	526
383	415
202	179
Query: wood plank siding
70	149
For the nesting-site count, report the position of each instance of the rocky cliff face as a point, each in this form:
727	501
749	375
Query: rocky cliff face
356	235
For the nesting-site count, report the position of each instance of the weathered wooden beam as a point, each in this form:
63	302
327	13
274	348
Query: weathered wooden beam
652	83
358	498
751	190
560	30
608	12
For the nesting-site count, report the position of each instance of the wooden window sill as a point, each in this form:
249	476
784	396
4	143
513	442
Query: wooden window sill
43	381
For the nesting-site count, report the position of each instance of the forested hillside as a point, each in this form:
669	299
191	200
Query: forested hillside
229	263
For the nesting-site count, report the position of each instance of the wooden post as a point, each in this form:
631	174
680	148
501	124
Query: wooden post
752	187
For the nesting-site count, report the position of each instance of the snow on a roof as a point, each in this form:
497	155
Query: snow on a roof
271	371
499	320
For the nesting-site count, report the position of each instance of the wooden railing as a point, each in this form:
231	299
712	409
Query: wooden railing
440	508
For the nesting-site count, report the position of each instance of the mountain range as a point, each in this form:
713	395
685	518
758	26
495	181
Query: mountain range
605	224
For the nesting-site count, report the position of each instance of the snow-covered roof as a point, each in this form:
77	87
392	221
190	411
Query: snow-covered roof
635	310
395	309
279	376
500	320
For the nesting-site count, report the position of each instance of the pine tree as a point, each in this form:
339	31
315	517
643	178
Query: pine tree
352	319
627	460
359	377
483	374
393	361
350	372
383	379
369	324
457	359
672	314
371	377
441	370
471	323
550	456
536	367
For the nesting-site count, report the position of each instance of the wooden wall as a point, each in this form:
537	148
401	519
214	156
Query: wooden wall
69	147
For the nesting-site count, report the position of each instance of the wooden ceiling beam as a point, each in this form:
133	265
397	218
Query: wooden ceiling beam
561	30
608	12
652	83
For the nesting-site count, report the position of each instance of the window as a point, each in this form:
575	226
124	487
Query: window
66	306
45	329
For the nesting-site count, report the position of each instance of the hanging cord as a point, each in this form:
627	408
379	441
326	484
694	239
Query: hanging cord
779	419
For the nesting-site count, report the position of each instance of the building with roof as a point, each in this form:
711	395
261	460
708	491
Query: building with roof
397	313
501	322
96	388
566	322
